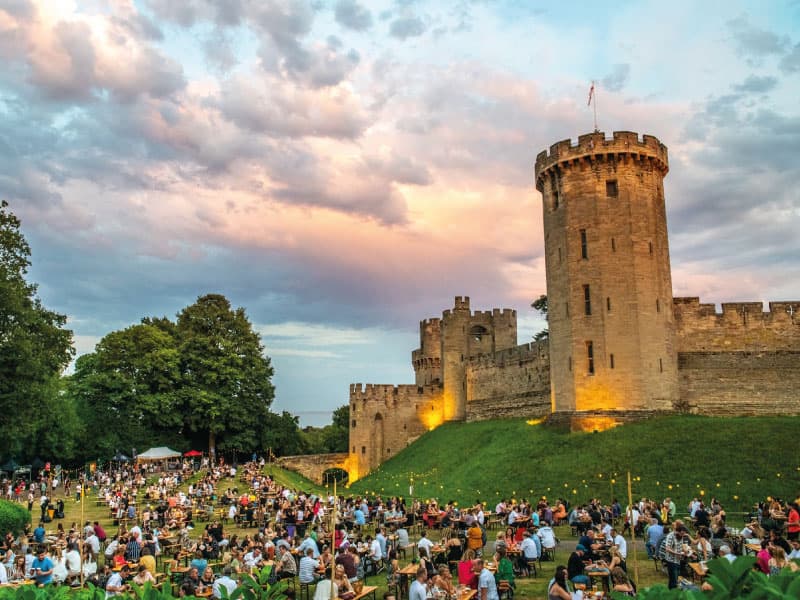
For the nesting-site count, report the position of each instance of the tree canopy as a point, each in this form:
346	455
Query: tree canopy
35	347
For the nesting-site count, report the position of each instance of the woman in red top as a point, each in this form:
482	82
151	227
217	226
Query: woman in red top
466	576
793	522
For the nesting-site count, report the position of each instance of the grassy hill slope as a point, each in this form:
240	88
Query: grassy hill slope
739	460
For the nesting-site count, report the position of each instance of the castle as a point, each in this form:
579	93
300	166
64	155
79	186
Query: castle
620	347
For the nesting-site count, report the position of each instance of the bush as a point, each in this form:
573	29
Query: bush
13	518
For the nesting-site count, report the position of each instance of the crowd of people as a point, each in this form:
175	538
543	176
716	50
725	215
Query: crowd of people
224	521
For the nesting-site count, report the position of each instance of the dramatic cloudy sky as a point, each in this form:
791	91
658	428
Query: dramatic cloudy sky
343	168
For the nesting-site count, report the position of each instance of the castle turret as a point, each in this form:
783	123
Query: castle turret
427	359
609	285
454	352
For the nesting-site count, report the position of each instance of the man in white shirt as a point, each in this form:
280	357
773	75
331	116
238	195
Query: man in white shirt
3	574
725	552
308	543
424	542
253	558
94	543
323	591
620	543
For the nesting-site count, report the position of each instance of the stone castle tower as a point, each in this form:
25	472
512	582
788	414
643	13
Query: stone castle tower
609	287
620	346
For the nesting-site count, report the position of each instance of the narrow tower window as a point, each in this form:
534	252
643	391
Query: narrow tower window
611	188
587	300
608	304
584	245
650	244
590	357
658	305
613	245
559	255
611	360
555	199
660	366
566	307
363	449
569	366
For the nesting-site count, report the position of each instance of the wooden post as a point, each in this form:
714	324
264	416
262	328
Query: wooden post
633	534
333	537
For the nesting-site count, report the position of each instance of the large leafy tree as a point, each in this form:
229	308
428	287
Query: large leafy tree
35	347
127	389
226	388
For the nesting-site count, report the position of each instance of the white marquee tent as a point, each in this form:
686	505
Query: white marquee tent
160	453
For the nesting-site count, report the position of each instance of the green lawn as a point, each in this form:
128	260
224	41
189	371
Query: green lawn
738	460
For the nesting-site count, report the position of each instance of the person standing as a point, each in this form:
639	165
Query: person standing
674	553
487	588
418	589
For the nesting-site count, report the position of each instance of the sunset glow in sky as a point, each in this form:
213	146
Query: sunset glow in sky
343	168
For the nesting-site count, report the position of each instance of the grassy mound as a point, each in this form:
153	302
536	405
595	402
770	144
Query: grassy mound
738	460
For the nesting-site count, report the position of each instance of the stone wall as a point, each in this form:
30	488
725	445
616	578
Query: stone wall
312	466
741	326
511	383
384	419
740	383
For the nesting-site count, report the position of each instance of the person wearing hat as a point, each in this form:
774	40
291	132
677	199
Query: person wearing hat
576	565
529	551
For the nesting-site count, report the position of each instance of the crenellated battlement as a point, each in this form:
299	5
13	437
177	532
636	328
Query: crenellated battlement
787	311
595	146
432	322
517	354
376	392
740	326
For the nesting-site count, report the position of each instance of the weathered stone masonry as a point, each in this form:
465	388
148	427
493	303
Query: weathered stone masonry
620	346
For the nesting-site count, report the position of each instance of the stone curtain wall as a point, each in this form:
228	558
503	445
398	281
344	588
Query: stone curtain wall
312	466
742	361
384	419
740	383
511	383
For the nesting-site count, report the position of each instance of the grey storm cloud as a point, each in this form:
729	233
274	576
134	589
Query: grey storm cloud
756	84
352	15
617	78
406	27
753	42
791	62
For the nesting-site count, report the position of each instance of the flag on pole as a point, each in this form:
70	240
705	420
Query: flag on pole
591	95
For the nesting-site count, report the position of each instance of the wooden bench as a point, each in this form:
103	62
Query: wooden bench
367	590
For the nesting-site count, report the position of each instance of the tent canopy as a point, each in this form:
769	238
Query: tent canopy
193	453
160	453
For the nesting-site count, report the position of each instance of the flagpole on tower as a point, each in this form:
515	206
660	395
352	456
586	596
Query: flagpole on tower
593	96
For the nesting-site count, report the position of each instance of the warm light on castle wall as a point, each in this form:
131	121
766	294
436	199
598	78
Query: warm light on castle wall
590	424
431	414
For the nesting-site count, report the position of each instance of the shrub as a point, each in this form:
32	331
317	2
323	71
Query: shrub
13	518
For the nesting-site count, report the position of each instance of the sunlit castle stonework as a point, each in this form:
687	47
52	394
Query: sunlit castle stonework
620	346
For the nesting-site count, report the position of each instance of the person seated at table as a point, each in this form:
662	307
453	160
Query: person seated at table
89	563
590	544
505	570
529	552
576	565
115	583
208	577
466	573
323	590
286	567
425	561
308	567
442	582
119	557
454	547
621	583
18	571
187	590
342	583
199	562
193	577
143	576
559	588
500	542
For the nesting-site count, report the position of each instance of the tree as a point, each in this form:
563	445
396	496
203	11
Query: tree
35	347
126	390
281	434
226	388
540	304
